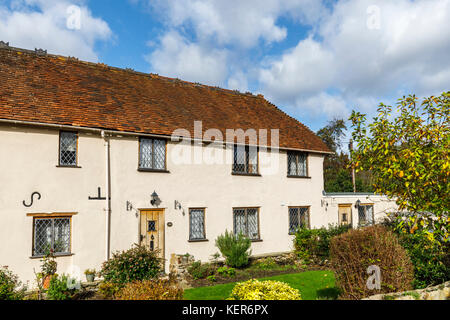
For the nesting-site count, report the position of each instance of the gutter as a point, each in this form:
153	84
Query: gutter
136	134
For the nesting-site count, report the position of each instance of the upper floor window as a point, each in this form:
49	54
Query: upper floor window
297	164
197	224
68	145
365	214
245	159
51	235
246	221
152	154
298	218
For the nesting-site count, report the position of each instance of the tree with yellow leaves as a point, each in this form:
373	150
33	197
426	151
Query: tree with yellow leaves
407	152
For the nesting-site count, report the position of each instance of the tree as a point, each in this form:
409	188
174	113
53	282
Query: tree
408	156
337	174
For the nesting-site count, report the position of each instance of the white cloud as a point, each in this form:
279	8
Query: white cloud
43	24
177	57
237	22
410	51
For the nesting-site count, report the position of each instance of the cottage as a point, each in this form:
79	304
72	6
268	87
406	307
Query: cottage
95	159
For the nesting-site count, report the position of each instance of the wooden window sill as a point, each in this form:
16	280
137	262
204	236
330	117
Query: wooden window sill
73	167
55	256
257	240
153	170
246	174
199	240
298	177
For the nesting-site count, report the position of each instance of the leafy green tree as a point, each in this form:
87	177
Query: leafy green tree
337	174
407	152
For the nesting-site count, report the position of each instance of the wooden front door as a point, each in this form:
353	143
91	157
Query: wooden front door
152	230
345	214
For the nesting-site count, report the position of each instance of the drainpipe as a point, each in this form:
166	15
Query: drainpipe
108	194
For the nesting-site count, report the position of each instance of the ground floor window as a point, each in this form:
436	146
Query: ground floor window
51	235
298	218
365	215
246	221
197	224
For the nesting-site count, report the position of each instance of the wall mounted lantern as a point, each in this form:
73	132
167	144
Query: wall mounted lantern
357	204
155	201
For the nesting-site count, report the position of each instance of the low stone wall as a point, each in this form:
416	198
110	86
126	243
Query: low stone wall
440	292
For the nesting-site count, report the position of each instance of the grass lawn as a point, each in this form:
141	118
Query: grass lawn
312	285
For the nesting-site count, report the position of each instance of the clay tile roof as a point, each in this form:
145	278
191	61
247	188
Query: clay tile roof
59	90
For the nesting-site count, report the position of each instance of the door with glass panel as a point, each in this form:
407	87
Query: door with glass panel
152	230
345	214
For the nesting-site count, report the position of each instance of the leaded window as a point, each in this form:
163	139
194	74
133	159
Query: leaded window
197	224
246	221
297	164
298	218
68	144
365	215
51	235
245	159
152	154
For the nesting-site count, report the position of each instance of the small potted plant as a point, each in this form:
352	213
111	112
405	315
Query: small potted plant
90	275
48	269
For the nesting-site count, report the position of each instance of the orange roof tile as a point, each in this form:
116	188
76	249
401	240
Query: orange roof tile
65	91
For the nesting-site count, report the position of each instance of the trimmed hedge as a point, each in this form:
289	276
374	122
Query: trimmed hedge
353	252
264	290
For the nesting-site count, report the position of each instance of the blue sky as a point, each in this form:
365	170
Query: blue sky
314	59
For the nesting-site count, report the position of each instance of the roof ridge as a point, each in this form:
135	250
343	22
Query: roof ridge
43	53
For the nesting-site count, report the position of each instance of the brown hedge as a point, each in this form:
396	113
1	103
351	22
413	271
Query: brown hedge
150	290
353	252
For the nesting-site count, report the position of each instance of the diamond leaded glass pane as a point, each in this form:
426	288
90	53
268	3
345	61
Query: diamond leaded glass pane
301	165
197	224
292	164
252	160
239	164
68	148
146	154
42	236
298	218
365	215
252	224
239	222
51	235
61	233
297	164
152	154
159	147
294	222
246	222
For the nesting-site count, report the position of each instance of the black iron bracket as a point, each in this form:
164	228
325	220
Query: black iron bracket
32	199
99	196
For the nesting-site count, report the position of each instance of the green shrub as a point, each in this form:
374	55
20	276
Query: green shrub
212	278
135	264
200	270
235	249
10	286
264	290
266	264
150	290
353	252
108	289
430	259
226	271
59	288
314	244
